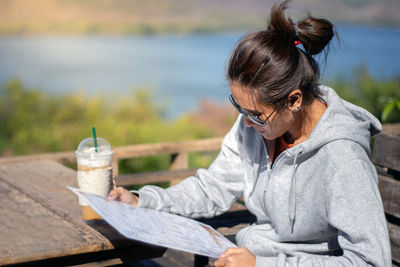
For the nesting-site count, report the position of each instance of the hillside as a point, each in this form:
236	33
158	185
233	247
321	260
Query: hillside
156	16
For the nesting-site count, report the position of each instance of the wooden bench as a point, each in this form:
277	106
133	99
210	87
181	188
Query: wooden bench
386	157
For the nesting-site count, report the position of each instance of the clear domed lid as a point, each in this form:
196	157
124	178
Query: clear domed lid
87	148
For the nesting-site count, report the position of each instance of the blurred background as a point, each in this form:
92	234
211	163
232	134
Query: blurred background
145	71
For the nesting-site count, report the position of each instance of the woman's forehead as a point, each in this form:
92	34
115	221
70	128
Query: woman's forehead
244	97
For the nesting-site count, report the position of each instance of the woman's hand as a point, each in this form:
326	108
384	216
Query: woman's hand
236	257
123	195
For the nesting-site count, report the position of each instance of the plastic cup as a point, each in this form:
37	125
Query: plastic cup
94	172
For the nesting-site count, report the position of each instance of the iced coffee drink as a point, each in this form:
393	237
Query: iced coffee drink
94	172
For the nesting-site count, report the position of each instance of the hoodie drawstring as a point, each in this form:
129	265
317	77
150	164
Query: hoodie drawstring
292	193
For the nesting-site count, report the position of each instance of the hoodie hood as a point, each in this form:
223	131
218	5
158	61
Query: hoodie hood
341	120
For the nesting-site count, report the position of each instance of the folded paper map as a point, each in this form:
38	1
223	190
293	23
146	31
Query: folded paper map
157	227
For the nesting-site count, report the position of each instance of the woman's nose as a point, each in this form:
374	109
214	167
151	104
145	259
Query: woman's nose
248	123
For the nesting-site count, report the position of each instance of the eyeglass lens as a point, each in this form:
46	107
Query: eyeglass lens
252	117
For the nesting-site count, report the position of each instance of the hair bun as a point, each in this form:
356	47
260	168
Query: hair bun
314	34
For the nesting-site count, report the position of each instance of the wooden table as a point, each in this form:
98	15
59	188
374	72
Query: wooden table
40	221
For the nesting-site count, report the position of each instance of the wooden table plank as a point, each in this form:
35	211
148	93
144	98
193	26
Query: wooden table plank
41	219
45	182
24	222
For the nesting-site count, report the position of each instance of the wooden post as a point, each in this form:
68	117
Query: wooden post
115	165
179	161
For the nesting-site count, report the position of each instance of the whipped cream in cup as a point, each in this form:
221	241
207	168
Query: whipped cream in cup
94	172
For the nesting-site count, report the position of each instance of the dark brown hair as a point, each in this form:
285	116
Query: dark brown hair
269	63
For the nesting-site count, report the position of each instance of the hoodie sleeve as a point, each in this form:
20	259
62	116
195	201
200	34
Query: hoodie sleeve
211	192
355	209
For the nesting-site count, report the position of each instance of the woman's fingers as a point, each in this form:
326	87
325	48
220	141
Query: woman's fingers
231	251
224	259
220	262
123	195
116	193
236	257
112	195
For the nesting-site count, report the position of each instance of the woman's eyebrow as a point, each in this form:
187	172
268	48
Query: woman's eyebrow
251	111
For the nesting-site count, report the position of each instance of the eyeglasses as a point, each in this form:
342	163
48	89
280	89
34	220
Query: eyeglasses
254	118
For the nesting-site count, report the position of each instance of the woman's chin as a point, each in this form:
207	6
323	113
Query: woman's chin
267	136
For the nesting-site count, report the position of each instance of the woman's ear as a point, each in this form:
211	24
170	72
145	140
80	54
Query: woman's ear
295	100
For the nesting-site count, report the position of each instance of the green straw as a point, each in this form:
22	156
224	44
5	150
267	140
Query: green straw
94	138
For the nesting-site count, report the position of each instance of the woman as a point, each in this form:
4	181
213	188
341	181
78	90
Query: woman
297	154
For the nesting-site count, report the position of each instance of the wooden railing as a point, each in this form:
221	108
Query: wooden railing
178	151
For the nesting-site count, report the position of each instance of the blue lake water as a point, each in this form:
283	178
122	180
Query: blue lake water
178	70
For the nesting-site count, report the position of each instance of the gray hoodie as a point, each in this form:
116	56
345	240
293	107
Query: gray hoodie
317	205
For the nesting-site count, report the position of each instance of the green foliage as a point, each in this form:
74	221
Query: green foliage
145	164
33	122
138	186
390	108
380	97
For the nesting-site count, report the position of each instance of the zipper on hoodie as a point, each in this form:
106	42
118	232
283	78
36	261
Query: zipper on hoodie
269	171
